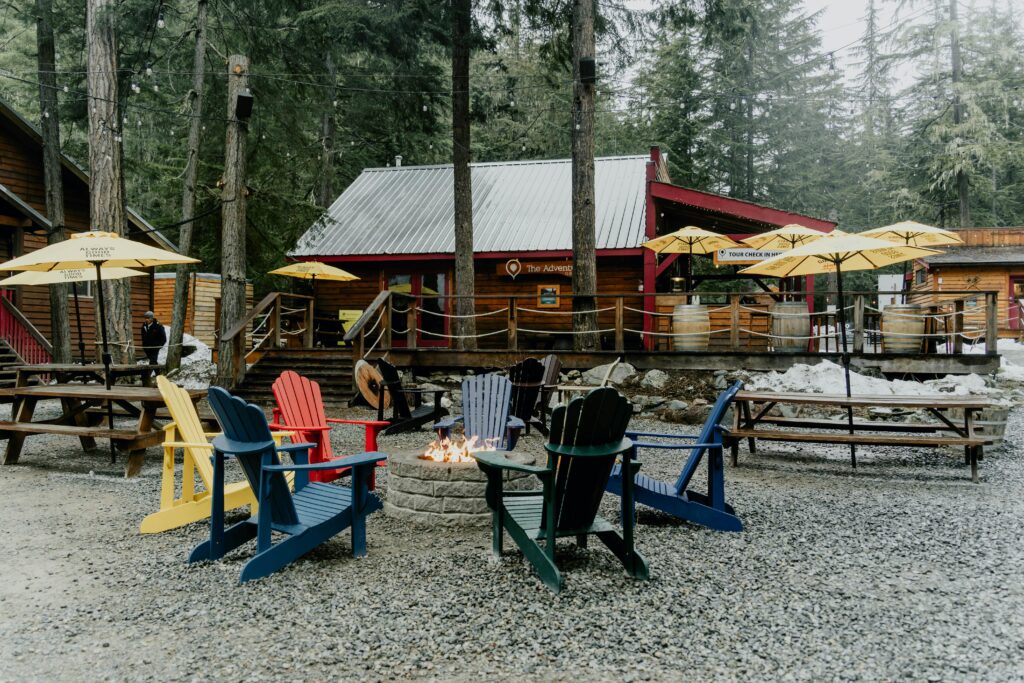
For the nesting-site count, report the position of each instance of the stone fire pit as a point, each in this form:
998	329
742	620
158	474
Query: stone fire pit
449	494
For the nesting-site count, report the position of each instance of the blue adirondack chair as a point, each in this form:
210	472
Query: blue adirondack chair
708	509
485	407
308	517
585	438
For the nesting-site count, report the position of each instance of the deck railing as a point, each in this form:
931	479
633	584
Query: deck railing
22	336
737	322
279	319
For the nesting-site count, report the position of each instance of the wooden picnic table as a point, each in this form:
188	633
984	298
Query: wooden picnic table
944	431
67	372
77	420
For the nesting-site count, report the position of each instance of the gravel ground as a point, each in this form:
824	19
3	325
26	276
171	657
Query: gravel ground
904	570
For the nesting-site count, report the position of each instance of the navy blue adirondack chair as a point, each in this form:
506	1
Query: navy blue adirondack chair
310	516
708	509
585	438
485	408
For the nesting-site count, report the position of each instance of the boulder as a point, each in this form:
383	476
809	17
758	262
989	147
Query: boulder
655	379
622	372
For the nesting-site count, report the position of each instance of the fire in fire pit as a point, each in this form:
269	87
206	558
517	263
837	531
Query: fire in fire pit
459	449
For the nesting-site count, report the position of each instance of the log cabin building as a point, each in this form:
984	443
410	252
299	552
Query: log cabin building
24	227
394	228
991	259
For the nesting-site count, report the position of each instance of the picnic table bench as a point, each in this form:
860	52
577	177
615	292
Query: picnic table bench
78	418
748	424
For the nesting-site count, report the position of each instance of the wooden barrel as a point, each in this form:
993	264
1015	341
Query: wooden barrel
791	326
989	423
691	321
902	328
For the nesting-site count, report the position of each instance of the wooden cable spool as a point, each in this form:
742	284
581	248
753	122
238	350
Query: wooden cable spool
371	384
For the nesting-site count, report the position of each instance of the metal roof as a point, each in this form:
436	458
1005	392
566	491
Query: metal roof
517	206
978	256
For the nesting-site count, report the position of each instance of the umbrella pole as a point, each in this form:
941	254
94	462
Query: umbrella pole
845	356
689	275
105	354
78	324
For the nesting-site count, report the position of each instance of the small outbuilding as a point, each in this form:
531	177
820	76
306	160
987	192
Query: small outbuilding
202	317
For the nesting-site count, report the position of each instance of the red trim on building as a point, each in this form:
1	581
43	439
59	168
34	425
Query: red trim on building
737	207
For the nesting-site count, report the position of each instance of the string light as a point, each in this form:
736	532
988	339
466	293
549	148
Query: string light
160	21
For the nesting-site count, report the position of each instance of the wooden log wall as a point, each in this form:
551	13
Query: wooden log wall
201	318
968	278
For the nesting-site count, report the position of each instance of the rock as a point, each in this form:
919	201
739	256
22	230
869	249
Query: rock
721	380
620	374
648	403
676	404
655	379
573	375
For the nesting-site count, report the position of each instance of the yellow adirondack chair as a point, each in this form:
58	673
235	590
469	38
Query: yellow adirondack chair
186	433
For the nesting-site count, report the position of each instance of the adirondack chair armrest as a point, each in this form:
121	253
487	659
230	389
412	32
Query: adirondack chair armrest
350	461
448	422
497	460
301	428
366	423
516	422
601	450
186	444
210	435
674	446
633	435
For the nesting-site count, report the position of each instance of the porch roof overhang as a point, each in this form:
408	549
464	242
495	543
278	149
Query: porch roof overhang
32	218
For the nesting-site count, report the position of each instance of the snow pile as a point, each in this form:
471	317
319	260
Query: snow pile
1011	361
197	368
827	378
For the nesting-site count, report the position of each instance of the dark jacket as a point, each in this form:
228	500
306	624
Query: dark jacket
153	336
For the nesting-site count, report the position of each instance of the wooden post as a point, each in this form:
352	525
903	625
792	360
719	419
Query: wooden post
359	346
513	324
858	323
275	321
958	326
410	324
233	196
388	310
991	323
620	324
734	322
307	338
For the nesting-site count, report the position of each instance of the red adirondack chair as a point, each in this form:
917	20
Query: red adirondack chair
300	409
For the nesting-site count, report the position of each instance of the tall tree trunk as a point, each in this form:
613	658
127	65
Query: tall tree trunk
962	189
584	271
465	327
188	193
106	191
328	125
60	335
233	194
749	114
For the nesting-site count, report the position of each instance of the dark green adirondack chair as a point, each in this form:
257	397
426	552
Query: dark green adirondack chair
585	439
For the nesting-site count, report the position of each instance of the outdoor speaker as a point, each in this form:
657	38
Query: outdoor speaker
243	107
588	70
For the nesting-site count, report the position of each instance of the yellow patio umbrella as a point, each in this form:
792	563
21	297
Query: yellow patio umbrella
689	240
784	238
71	276
913	234
97	250
833	254
314	270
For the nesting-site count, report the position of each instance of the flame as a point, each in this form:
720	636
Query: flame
459	449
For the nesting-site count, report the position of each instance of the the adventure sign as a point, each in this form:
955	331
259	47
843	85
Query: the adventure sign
514	268
742	256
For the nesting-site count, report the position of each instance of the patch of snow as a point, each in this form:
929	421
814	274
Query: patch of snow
197	368
826	377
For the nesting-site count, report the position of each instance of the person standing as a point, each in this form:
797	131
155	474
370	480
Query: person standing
153	337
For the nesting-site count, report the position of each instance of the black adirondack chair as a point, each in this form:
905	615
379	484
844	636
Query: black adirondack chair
406	417
527	378
548	385
586	437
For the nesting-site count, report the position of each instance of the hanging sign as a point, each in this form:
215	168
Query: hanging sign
514	268
742	256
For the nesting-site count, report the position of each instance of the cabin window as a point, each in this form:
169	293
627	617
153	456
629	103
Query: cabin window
919	277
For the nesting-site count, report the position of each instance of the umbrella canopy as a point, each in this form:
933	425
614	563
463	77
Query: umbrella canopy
830	254
314	270
909	233
689	240
56	277
784	238
86	250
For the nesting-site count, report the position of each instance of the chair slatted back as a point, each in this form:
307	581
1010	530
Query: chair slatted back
600	417
188	426
552	372
485	406
301	403
526	377
245	423
707	433
393	385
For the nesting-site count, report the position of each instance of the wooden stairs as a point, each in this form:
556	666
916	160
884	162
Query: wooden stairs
330	368
8	359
